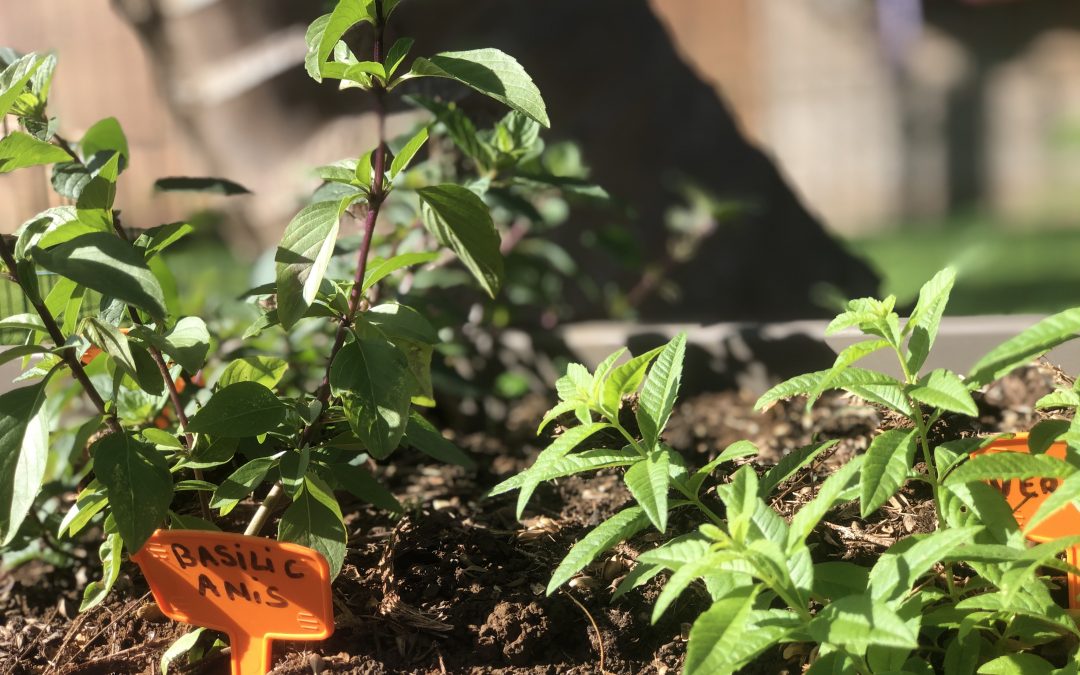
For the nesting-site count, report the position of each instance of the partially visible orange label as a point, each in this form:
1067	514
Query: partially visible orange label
1026	496
252	588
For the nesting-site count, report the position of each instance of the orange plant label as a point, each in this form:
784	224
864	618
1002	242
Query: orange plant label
251	588
1026	496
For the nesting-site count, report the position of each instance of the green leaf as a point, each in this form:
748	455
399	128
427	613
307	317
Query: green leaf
14	78
217	186
105	263
736	450
397	321
110	553
804	384
105	135
1009	466
885	468
137	483
848	356
559	448
292	467
420	434
266	370
1017	664
220	451
187	343
19	150
24	450
942	389
88	504
899	568
397	52
314	520
718	637
1066	493
1031	343
346	14
407	152
1046	433
372	378
157	239
789	464
490	72
855	622
379	269
648	482
182	645
660	389
620	527
926	317
807	518
240	483
239	410
302	257
359	481
589	460
1060	398
460	220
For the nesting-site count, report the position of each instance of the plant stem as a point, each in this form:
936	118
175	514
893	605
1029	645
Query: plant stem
375	199
170	384
68	355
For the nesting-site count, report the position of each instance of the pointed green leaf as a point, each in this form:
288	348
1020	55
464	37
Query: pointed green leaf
807	517
109	265
888	460
239	410
804	384
1031	343
346	14
856	622
420	434
302	257
138	484
359	481
24	449
490	72
926	317
19	150
847	356
942	389
182	645
719	637
618	528
314	520
789	464
372	377
266	370
648	482
378	269
14	78
240	483
661	386
1008	466
460	220
105	135
407	152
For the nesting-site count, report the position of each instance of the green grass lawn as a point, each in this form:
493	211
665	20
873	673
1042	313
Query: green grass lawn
999	271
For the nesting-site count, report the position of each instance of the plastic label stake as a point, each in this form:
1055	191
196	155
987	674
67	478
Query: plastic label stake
254	589
1025	497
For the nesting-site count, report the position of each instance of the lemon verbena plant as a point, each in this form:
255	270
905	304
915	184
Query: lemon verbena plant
971	595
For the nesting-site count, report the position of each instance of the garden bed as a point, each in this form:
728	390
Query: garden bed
457	584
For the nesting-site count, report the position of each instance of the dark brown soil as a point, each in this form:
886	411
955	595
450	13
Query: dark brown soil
458	585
